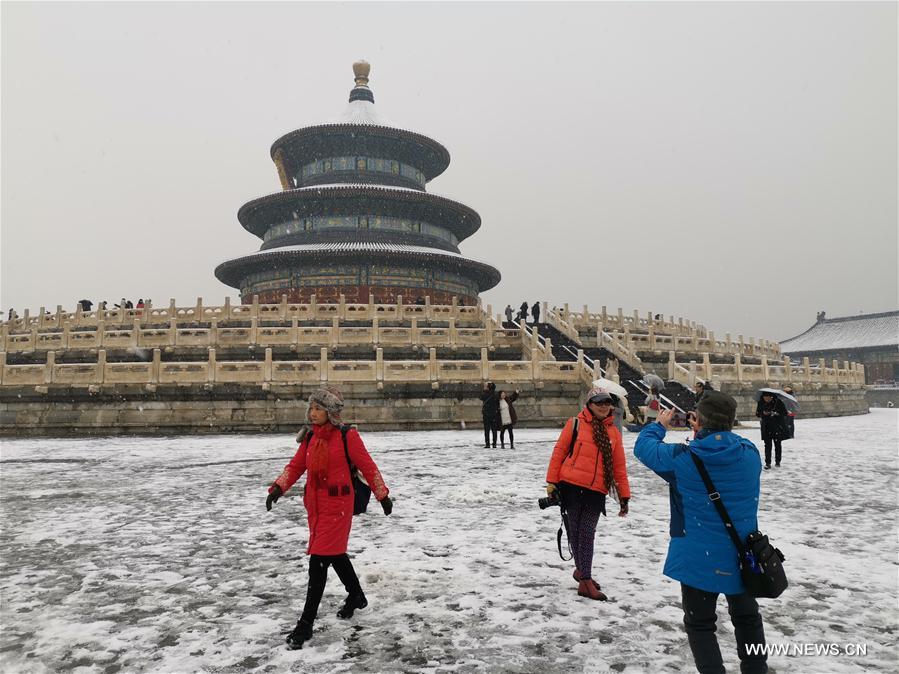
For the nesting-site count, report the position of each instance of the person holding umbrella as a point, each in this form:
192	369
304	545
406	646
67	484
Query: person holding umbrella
773	414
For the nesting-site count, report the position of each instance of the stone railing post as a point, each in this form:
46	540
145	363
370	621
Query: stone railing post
652	338
765	372
198	309
267	365
155	366
379	367
210	366
101	366
706	366
738	365
428	307
605	314
432	364
671	363
313	306
485	365
101	333
2	365
788	369
323	364
173	310
254	329
414	335
254	312
135	333
453	334
375	332
713	344
48	368
400	308
335	331
226	309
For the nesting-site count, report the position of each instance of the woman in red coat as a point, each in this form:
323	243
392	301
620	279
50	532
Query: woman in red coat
328	499
584	470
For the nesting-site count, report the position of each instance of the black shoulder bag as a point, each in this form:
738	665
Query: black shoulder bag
361	491
761	566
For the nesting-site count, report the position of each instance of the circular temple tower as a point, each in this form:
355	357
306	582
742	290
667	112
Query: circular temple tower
354	218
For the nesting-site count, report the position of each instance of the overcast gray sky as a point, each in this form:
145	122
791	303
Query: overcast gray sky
735	164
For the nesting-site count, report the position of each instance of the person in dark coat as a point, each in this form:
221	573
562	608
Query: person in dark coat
701	554
523	313
773	414
490	413
507	418
535	312
328	498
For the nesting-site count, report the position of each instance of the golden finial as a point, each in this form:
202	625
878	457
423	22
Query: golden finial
361	70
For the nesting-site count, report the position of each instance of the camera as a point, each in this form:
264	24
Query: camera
549	501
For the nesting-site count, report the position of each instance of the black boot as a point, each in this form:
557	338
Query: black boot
353	601
300	635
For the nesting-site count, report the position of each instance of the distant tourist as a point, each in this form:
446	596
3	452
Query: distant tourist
653	404
595	470
85	305
700	388
701	555
102	305
490	413
129	304
328	497
140	303
12	315
773	414
535	312
507	418
523	313
509	313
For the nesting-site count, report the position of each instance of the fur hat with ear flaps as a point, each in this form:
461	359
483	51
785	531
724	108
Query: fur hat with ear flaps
330	399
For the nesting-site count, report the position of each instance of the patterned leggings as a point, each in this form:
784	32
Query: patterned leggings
584	506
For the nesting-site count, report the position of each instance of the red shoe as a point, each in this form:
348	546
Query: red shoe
577	576
587	588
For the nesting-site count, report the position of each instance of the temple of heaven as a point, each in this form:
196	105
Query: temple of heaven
353	218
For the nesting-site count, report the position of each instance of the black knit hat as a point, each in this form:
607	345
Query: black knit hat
717	411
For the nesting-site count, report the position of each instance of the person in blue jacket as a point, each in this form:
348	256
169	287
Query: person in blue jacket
701	554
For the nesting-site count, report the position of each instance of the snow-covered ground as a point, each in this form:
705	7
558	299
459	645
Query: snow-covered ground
157	554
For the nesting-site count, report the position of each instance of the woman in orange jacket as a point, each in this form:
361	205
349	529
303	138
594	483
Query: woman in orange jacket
328	498
583	472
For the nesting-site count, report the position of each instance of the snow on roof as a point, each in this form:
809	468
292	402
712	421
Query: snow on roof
360	112
352	246
849	332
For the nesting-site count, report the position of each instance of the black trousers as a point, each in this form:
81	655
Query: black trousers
699	619
777	448
502	435
489	429
318	576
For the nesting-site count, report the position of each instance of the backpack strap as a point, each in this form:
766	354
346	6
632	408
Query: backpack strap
715	498
574	428
344	429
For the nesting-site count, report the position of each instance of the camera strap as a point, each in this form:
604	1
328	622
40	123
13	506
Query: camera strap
567	538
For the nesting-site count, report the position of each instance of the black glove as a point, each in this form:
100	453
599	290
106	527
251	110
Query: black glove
273	496
387	505
624	509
